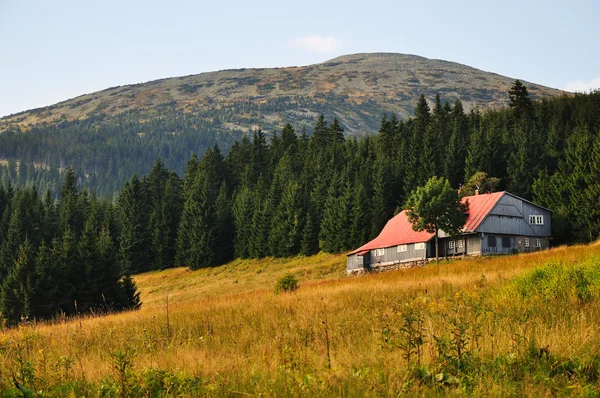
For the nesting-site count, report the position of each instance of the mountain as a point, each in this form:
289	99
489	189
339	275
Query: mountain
356	88
110	135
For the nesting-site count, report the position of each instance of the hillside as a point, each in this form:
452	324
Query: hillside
519	325
356	88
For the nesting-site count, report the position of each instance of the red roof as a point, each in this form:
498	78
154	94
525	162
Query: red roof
398	230
479	207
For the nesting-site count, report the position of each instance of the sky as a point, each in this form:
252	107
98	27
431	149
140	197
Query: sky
51	51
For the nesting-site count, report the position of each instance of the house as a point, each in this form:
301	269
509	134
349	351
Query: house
497	223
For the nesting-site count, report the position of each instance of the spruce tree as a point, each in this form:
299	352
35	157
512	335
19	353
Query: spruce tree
243	212
130	296
224	227
134	235
261	227
456	151
47	284
287	223
85	270
310	239
70	214
18	288
360	229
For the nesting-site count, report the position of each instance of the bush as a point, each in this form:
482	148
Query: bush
287	283
579	282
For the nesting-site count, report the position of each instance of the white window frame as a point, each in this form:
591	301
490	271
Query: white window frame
536	219
451	244
402	248
460	243
525	242
420	246
538	243
379	252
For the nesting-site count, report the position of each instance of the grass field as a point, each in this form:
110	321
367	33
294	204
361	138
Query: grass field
512	325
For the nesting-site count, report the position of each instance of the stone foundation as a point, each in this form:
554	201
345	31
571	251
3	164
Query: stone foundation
389	267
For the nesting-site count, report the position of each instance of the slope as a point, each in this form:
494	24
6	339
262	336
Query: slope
356	88
523	324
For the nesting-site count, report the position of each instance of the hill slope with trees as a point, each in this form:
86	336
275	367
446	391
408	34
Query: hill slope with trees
110	135
296	194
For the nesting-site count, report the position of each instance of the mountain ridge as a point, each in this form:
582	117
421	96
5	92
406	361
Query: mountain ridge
356	88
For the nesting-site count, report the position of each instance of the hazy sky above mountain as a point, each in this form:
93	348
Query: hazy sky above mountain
54	50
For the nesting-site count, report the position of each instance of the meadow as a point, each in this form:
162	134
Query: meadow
510	325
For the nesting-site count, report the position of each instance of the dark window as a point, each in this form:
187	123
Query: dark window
491	241
505	241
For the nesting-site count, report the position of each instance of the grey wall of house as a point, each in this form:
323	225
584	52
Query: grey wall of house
544	241
504	244
471	245
458	249
354	262
511	243
510	216
391	254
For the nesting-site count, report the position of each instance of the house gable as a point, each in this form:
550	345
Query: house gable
510	216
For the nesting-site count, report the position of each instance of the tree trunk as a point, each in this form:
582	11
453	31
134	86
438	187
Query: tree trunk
437	253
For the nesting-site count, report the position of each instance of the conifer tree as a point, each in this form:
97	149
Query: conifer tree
287	223
224	230
108	273
360	227
456	151
337	132
310	239
50	222
86	269
47	283
243	212
382	198
520	102
130	296
134	236
259	244
260	156
200	238
477	157
70	214
18	290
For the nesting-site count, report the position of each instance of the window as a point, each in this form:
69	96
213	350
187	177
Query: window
419	246
402	248
451	244
505	241
526	242
379	252
491	241
538	243
536	219
460	244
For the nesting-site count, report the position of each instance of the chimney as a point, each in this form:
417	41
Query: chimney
476	192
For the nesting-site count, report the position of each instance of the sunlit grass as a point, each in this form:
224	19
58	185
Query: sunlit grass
228	332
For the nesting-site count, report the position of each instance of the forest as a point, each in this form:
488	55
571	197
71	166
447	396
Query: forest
58	258
295	194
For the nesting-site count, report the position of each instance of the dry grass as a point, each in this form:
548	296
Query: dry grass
236	277
230	333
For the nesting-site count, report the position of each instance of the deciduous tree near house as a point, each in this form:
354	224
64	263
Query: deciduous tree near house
434	207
